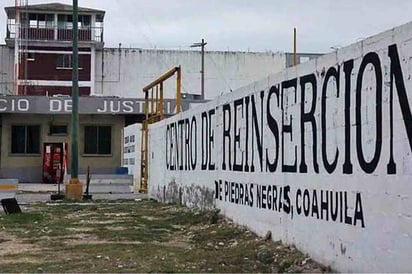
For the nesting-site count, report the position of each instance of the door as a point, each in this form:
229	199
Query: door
53	162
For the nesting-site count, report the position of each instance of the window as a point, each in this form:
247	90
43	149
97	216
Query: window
66	61
25	139
49	20
129	149
99	18
65	21
84	21
58	130
42	21
98	140
33	20
30	56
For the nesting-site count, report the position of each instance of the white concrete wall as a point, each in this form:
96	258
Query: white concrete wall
326	179
6	70
131	151
127	71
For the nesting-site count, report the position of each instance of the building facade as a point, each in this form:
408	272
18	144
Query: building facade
35	109
35	83
33	127
41	39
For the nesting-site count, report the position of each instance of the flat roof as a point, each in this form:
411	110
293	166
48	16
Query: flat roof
52	7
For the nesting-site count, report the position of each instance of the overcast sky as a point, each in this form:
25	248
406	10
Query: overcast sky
255	25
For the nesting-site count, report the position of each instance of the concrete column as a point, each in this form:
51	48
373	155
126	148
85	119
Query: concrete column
56	21
93	27
92	71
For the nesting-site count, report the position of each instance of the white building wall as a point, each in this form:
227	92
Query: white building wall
131	151
127	71
6	70
363	119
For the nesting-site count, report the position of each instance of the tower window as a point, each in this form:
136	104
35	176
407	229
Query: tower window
65	61
30	56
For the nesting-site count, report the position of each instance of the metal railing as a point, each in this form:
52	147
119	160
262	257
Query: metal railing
94	34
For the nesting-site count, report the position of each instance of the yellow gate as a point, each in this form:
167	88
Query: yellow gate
154	112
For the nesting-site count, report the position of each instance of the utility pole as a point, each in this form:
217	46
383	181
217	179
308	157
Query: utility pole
202	70
74	189
17	47
294	48
75	94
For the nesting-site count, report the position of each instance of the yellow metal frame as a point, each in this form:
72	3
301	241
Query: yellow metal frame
154	112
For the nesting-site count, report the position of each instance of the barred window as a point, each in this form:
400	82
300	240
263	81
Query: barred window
98	140
25	139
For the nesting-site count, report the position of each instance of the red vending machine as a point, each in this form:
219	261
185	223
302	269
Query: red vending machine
54	162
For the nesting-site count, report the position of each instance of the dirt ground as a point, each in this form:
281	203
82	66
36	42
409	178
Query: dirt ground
137	236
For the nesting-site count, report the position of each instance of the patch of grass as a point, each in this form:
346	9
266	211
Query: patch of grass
23	219
192	216
129	236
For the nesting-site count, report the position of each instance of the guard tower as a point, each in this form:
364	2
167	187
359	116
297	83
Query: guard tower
41	36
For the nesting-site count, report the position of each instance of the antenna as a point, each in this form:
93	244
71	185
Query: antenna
20	27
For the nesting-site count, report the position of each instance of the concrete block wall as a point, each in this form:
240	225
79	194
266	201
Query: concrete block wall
124	72
320	154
